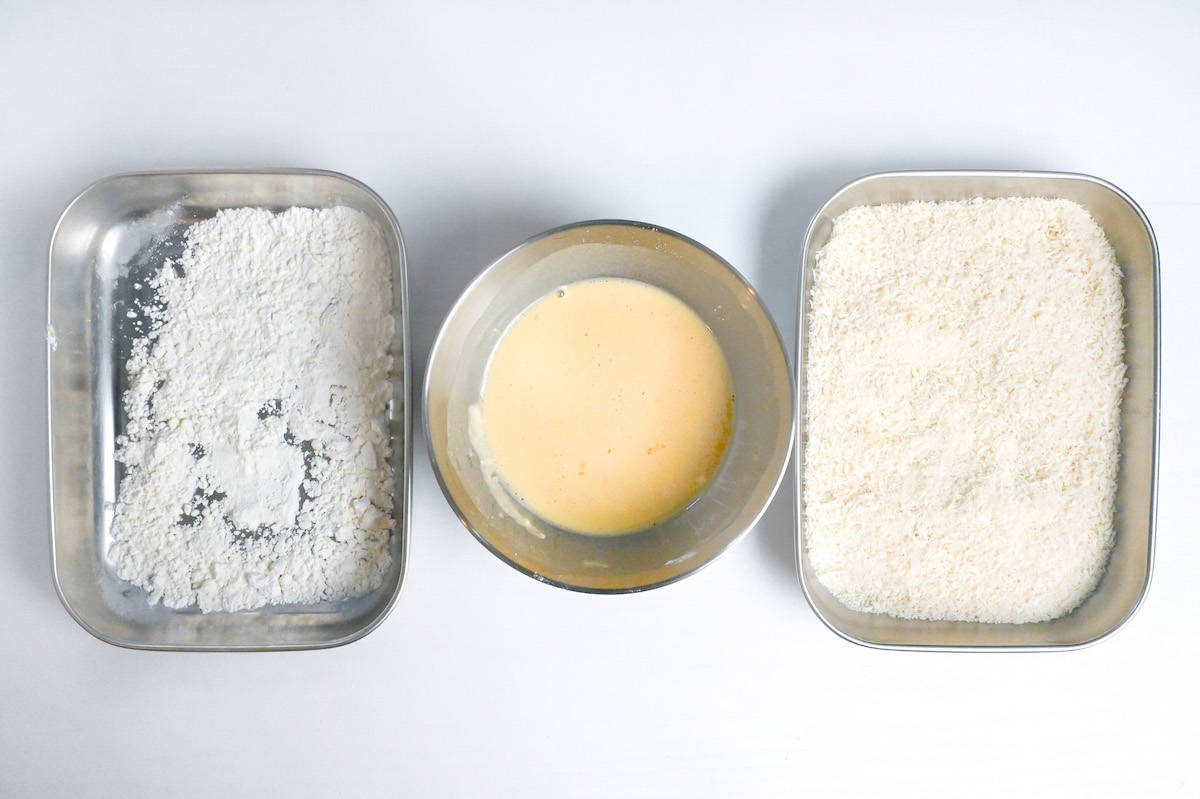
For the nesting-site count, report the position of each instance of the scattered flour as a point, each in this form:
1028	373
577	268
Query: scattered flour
964	379
256	450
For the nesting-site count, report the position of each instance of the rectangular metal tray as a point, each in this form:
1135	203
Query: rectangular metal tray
1128	575
134	220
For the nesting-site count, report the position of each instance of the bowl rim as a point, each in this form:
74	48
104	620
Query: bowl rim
437	343
798	543
404	492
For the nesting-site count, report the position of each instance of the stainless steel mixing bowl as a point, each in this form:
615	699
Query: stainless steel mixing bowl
764	409
1128	575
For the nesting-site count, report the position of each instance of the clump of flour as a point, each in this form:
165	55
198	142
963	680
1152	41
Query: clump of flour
256	449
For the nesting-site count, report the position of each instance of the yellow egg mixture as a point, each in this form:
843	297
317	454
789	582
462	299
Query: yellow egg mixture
607	406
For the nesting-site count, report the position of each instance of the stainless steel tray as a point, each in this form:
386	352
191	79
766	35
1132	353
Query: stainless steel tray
1128	575
129	221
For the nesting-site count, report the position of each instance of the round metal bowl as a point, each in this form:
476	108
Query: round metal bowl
764	408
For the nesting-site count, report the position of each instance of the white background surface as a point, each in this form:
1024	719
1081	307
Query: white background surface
482	125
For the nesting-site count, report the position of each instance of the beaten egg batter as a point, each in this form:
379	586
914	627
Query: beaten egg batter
607	406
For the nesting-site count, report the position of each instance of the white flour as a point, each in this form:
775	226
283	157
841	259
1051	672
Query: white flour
256	451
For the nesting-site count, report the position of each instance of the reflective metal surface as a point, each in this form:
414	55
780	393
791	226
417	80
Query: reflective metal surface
127	224
1128	575
763	426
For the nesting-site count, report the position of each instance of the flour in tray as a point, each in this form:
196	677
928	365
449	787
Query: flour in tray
256	452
